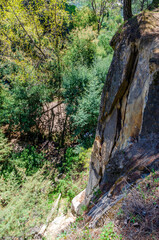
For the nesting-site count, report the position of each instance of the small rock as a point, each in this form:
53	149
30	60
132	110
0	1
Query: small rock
136	224
78	202
117	222
126	221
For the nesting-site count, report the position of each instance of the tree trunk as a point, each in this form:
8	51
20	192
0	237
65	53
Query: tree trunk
142	5
127	10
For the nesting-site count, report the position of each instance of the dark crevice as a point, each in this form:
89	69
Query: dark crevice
129	74
119	119
123	90
131	79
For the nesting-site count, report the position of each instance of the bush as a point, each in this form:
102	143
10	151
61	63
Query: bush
22	106
84	17
5	150
71	170
104	40
81	49
29	160
74	84
87	107
85	119
23	207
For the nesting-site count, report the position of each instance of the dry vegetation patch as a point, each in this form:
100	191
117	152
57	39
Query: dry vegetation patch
136	217
139	216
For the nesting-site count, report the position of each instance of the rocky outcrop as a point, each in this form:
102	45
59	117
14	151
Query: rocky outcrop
126	146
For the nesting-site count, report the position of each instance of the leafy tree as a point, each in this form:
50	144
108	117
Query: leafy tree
101	9
40	39
81	49
87	107
23	106
83	18
74	83
44	17
135	6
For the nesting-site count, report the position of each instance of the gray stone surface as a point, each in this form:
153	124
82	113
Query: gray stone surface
127	136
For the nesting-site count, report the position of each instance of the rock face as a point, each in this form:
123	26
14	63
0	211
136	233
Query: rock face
126	146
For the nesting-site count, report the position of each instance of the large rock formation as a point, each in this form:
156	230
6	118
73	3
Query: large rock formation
127	137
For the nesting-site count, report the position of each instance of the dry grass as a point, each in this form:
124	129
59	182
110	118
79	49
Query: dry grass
135	218
139	216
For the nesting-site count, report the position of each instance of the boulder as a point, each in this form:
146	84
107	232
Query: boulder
126	146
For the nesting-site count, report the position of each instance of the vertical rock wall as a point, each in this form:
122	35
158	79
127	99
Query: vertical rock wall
128	124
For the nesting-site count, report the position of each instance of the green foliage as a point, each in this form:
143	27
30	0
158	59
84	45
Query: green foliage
41	63
24	191
112	22
23	207
81	50
84	104
84	17
74	83
76	160
7	69
23	105
108	233
138	6
88	108
5	149
45	63
28	160
21	164
83	77
83	80
104	41
31	36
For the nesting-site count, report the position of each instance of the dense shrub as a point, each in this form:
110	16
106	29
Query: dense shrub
29	160
104	41
83	87
74	84
84	17
24	207
22	106
5	150
81	49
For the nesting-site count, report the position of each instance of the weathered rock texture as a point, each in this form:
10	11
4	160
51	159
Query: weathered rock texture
127	137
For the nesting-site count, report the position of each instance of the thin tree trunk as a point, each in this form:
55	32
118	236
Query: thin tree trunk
127	10
142	5
63	132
